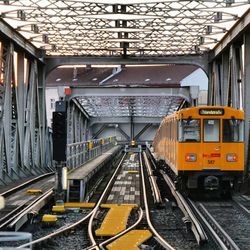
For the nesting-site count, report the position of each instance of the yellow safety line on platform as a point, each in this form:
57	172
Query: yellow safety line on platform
79	205
116	219
130	240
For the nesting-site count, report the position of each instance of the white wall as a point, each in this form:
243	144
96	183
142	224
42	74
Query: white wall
50	94
197	78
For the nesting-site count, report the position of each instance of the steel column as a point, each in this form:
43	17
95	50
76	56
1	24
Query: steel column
246	104
225	78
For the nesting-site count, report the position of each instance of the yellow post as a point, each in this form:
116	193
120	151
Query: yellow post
90	145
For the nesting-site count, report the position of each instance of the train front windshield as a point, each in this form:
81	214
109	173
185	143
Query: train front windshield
211	130
233	130
189	130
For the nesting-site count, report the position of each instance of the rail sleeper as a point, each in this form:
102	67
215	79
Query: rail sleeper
130	240
116	219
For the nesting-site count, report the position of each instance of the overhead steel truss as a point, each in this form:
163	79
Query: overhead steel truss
134	28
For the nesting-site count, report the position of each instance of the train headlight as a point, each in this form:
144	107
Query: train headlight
190	157
232	157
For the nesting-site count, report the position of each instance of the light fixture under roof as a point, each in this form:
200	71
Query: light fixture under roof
118	16
121	29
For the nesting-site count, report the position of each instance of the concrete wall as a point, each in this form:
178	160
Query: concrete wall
51	96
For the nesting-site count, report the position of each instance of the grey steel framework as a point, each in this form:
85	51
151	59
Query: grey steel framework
107	32
134	28
25	139
230	73
132	102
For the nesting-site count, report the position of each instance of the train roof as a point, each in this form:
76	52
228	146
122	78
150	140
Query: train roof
208	112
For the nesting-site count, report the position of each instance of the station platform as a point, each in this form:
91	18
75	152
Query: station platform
79	177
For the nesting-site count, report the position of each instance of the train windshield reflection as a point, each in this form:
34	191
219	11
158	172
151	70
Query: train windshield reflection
233	130
189	130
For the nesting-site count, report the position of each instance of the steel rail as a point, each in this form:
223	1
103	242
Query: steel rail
11	215
23	216
196	227
57	232
25	184
219	230
152	179
123	232
10	222
212	232
165	244
96	208
241	206
62	230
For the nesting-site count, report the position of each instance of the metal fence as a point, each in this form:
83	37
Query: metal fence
80	152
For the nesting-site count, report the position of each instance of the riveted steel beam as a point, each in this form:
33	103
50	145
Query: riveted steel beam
116	120
54	61
137	91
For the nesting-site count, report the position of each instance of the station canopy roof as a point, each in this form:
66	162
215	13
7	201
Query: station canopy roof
120	28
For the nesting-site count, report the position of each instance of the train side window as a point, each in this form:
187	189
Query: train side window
211	130
233	130
189	130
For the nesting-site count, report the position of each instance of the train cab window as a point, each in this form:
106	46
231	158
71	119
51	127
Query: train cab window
189	130
233	130
211	130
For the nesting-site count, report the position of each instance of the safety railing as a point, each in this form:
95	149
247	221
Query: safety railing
80	152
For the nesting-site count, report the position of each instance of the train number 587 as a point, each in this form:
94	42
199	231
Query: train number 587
210	161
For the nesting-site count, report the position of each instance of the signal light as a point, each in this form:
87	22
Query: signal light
190	157
59	128
232	157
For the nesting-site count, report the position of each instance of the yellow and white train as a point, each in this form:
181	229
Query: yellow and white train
202	146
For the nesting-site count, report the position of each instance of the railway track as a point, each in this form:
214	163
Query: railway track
138	218
19	204
227	222
67	228
135	173
181	220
